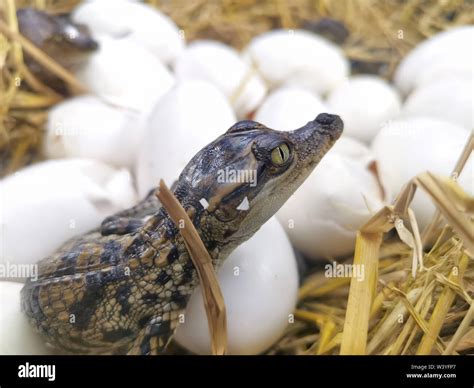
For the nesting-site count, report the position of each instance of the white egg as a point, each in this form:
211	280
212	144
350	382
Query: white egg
17	336
449	99
185	120
298	58
125	74
145	25
87	127
407	147
364	104
289	108
259	282
353	149
222	66
44	205
324	214
436	56
446	71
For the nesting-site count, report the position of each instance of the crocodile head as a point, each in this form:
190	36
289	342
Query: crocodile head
67	42
237	182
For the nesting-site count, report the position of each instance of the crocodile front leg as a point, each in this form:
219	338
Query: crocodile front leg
154	337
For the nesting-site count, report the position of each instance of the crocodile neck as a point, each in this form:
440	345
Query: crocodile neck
164	236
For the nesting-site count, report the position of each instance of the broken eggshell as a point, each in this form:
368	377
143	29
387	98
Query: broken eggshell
259	282
141	23
87	127
407	147
186	119
297	58
288	108
324	214
125	74
16	335
364	104
46	204
222	66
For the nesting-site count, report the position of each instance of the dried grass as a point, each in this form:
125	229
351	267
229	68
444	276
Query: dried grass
211	291
431	314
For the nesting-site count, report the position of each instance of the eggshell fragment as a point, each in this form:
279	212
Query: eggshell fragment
449	99
407	147
324	214
44	205
436	56
185	120
298	58
141	23
364	104
17	337
259	281
222	66
289	108
87	127
125	74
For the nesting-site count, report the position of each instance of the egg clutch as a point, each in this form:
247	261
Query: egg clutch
152	98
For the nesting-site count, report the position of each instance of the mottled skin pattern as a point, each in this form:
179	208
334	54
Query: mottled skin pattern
122	288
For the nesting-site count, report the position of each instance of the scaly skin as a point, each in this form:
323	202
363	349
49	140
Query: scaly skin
122	288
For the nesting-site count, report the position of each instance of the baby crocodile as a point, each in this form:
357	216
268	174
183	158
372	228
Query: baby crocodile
68	43
121	288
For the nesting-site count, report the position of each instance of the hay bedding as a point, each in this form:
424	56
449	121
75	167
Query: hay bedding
429	314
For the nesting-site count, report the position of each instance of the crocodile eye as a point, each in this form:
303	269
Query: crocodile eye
281	154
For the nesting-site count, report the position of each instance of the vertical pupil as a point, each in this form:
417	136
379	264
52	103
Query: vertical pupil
282	154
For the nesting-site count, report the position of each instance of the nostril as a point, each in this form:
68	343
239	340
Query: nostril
324	124
92	45
326	118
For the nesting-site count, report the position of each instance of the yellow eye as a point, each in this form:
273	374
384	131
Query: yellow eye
281	154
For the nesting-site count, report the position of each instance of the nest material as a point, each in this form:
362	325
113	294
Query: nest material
401	309
380	34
